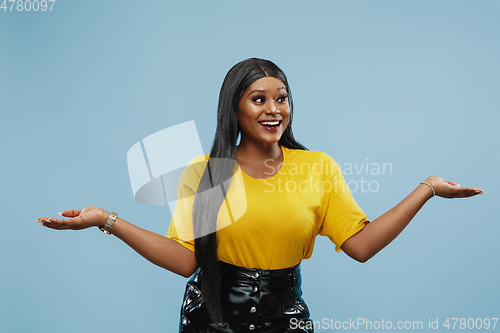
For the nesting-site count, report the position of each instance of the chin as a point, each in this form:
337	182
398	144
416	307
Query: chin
274	139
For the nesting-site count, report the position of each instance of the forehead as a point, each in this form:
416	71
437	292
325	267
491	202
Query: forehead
266	84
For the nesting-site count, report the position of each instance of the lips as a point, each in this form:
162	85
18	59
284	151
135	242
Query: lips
271	125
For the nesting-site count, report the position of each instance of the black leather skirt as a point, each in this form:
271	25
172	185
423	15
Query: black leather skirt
252	300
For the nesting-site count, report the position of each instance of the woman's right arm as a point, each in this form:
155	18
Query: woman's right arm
158	249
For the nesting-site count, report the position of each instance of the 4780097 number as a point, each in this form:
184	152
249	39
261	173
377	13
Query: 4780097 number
470	323
27	5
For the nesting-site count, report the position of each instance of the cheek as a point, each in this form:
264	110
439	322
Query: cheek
249	115
242	118
286	119
285	110
244	122
286	113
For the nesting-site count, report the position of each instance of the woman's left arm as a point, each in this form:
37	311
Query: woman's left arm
383	230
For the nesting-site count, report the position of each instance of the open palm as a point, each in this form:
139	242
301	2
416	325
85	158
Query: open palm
87	217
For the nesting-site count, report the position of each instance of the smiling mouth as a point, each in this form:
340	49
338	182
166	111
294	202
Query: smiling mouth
270	123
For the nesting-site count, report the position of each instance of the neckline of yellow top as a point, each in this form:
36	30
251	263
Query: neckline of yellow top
282	169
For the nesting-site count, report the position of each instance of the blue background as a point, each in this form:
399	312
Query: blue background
411	83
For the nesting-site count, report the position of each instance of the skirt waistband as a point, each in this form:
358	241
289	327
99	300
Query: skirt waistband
286	277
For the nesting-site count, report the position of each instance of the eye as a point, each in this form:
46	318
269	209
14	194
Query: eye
282	98
259	99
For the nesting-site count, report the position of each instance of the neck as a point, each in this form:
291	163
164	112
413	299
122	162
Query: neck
257	152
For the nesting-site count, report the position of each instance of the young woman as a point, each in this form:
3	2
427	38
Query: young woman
248	214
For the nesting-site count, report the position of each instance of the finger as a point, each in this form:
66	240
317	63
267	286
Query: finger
465	192
60	224
41	220
50	225
452	183
70	212
46	222
471	189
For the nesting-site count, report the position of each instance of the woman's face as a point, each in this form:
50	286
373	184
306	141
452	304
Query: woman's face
264	111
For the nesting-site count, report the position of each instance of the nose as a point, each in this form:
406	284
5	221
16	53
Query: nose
273	108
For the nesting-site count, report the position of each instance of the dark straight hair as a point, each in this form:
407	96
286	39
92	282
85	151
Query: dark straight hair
220	168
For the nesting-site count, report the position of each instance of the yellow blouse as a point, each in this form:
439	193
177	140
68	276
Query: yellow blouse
272	223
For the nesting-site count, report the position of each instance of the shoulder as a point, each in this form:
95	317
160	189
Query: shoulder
198	163
192	173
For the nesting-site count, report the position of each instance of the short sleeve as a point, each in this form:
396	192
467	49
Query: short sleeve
181	225
343	217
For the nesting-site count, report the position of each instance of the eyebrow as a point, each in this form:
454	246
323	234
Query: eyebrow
260	90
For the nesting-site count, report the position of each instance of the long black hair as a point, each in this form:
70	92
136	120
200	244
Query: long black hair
220	168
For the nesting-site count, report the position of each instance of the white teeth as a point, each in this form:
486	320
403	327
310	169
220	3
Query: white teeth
270	123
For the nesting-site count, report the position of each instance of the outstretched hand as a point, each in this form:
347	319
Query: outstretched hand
87	217
449	189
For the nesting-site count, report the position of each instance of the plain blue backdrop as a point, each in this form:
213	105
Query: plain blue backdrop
410	83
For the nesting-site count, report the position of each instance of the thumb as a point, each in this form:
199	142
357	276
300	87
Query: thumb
70	212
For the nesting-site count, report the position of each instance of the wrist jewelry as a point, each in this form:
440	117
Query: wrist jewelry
109	223
432	188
